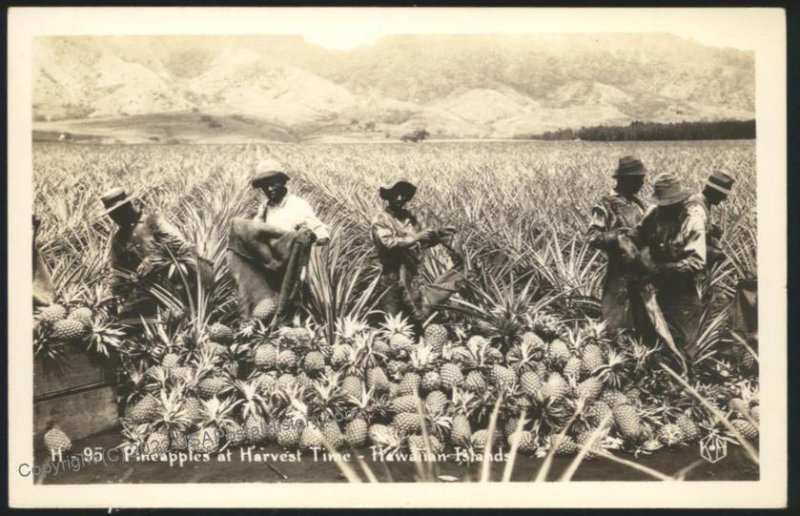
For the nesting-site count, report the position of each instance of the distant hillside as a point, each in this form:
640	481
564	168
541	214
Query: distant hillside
454	86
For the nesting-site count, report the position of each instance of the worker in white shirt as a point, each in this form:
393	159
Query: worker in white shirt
282	210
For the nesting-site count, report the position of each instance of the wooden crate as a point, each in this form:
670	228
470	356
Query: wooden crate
76	393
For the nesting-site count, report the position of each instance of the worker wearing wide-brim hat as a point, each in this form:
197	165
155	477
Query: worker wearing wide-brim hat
717	188
674	236
613	218
136	246
400	241
280	209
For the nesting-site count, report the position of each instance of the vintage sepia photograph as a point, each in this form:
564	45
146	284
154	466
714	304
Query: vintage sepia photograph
395	254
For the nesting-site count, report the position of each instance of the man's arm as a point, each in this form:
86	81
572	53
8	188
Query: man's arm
311	221
384	233
167	233
693	232
600	237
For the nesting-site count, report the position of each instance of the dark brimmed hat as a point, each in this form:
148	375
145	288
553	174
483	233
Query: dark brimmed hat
399	187
668	190
720	181
629	166
115	198
268	172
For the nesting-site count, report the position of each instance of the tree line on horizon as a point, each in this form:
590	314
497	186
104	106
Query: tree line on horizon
717	130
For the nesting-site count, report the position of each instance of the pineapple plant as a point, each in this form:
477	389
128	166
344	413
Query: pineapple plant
254	409
590	388
435	336
430	381
311	437
450	375
501	377
546	325
355	432
564	445
297	336
220	333
352	386
572	368
333	434
463	406
670	435
82	314
409	384
523	356
525	441
398	333
377	380
314	362
558	353
407	403
289	433
530	382
265	356
287	360
748	430
51	314
212	385
341	354
475	382
555	387
436	402
68	330
417	444
482	438
627	421
170	424
405	423
57	442
144	410
689	429
591	359
265	309
385	438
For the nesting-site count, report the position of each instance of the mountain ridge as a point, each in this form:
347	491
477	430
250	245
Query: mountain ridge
452	85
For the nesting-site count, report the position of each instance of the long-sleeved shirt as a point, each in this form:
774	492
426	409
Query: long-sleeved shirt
611	213
678	243
713	232
393	236
130	245
291	213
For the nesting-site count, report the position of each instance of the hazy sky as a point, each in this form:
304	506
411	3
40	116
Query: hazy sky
348	29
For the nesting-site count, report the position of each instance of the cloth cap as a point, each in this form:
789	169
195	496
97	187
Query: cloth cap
115	198
629	166
668	190
400	187
721	181
267	172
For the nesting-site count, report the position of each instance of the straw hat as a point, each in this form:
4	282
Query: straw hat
267	172
629	166
668	190
400	187
115	198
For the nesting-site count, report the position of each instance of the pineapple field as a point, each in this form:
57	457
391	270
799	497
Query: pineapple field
518	361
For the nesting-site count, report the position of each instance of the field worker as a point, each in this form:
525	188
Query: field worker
672	237
268	254
717	188
282	210
43	291
615	217
138	248
400	242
